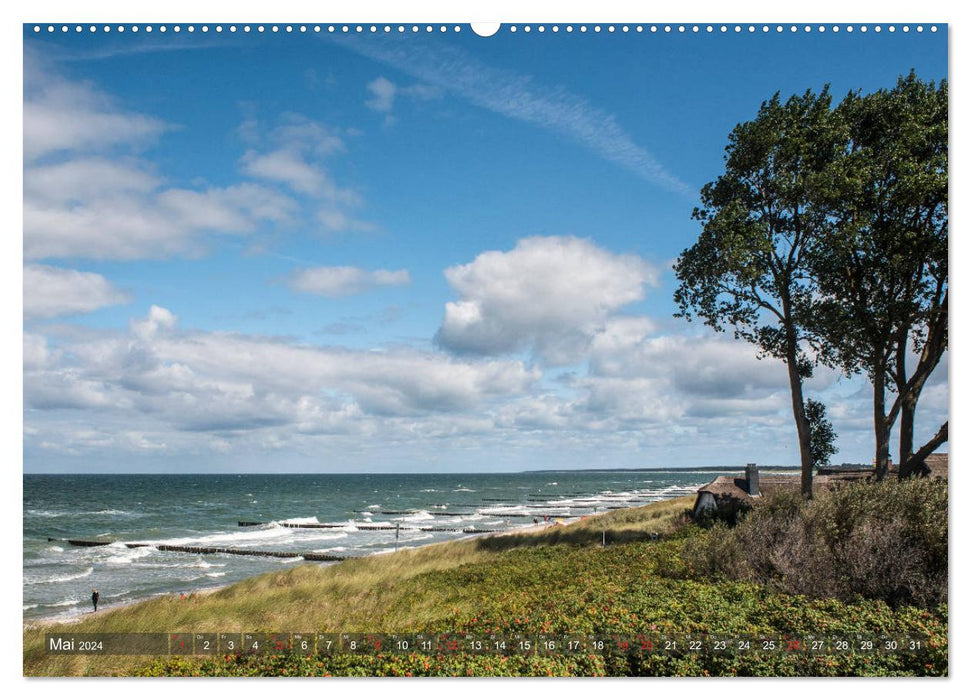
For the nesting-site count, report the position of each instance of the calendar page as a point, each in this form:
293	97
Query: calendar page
429	348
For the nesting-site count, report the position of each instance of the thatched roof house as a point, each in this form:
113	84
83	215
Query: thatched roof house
727	495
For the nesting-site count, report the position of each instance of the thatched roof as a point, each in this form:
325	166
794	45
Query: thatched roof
938	465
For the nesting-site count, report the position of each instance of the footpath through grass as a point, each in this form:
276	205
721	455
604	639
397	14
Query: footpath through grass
556	581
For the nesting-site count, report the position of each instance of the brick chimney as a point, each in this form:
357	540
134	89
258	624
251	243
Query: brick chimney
752	478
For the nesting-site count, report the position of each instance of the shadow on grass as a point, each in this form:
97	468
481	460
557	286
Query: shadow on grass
561	535
633	526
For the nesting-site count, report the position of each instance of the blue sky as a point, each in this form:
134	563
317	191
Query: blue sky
416	252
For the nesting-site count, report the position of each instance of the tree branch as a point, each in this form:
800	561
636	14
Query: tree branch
916	461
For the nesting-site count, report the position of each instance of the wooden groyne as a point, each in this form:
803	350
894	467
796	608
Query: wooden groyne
309	556
81	543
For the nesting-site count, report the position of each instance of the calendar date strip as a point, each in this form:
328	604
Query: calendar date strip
329	644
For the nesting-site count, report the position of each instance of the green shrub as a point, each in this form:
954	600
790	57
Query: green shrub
886	541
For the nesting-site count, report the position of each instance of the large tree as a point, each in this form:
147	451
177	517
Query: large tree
748	269
881	269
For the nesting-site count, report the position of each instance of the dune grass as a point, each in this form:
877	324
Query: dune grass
368	594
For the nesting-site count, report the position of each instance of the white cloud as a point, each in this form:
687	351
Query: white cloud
37	355
156	387
289	167
85	178
705	365
297	131
382	95
53	291
87	194
548	295
344	281
60	115
621	333
158	319
119	224
293	154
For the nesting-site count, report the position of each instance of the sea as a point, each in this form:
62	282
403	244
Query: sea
206	511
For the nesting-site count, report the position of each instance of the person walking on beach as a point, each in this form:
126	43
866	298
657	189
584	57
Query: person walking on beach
94	599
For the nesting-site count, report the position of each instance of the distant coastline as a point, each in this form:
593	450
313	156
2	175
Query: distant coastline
730	468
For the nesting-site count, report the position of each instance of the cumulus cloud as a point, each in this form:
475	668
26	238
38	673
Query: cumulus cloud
703	365
288	168
53	291
87	193
344	281
638	381
548	295
183	390
121	224
86	177
37	354
293	153
694	375
158	319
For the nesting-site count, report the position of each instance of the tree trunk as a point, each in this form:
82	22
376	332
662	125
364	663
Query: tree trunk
911	466
909	389
802	426
881	426
906	399
908	407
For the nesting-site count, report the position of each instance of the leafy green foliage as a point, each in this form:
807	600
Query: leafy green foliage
880	266
746	269
822	437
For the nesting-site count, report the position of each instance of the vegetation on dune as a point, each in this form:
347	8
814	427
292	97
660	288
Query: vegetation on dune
885	541
556	581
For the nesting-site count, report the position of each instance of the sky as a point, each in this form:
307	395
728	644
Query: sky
278	252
